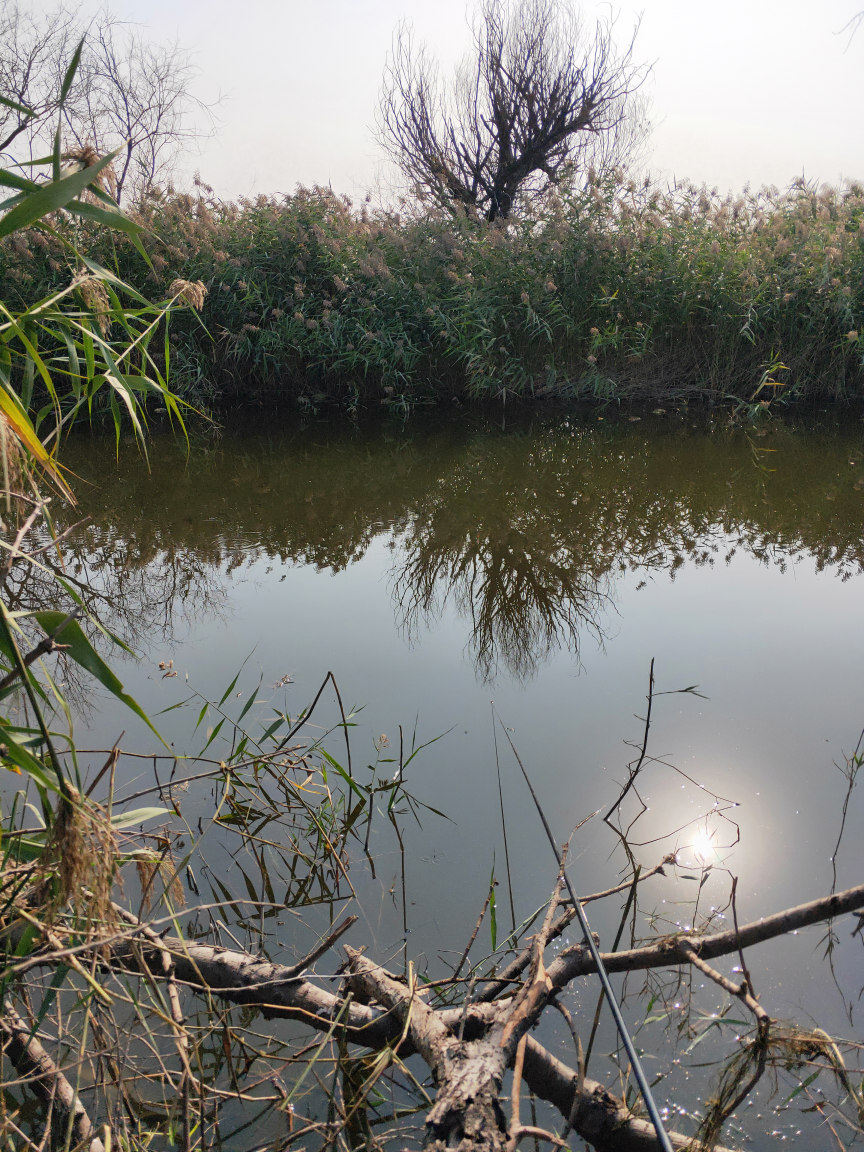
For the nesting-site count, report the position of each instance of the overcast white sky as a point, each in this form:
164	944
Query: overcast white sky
742	90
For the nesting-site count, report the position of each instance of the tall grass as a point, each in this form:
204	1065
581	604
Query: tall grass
611	290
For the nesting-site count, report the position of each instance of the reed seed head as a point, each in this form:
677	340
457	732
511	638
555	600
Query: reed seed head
191	292
95	296
85	156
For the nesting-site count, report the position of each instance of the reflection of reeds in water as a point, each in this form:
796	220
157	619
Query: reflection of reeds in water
525	533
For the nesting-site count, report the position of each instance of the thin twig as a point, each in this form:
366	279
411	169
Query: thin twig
515	1123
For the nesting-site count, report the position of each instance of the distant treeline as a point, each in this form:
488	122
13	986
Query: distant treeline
609	291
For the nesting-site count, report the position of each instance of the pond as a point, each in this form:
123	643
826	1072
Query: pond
458	567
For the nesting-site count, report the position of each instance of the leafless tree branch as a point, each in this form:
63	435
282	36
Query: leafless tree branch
482	1035
25	1051
128	90
540	97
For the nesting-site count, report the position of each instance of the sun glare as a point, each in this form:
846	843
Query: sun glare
703	848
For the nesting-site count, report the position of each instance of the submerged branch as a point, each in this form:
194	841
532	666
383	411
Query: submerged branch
282	990
598	1116
32	1062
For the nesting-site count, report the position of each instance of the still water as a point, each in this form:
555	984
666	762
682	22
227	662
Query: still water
442	565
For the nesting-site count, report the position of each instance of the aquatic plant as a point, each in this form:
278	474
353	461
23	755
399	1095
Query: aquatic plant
81	345
607	291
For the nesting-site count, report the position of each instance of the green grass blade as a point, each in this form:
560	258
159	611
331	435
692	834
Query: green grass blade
71	70
83	653
7	103
52	197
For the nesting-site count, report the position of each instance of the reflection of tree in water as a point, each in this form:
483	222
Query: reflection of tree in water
524	532
527	543
523	602
140	596
526	535
146	594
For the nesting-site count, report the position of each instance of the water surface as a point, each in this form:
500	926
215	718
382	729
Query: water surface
443	565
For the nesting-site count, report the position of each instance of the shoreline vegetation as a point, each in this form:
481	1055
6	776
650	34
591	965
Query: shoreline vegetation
609	292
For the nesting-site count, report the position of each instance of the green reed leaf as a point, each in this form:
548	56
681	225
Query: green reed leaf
83	653
7	103
52	197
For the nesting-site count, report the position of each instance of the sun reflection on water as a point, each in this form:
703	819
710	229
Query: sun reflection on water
703	848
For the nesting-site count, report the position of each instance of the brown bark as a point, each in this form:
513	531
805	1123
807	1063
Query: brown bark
283	991
601	1118
467	1114
577	961
469	1049
45	1079
468	1073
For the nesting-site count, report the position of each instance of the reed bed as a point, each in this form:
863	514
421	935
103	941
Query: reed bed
610	291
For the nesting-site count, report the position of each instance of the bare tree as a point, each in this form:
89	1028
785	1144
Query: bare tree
541	96
127	89
139	92
31	52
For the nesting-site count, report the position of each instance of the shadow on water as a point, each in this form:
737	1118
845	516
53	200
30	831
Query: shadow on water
524	530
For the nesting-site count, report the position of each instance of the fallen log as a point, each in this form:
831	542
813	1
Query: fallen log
577	961
600	1117
281	990
466	1114
70	1123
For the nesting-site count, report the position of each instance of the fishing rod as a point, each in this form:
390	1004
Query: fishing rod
629	1046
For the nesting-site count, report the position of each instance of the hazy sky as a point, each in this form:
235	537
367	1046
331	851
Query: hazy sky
742	90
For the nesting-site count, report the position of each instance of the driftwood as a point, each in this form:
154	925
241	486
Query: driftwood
600	1117
468	1048
281	990
467	1113
44	1078
667	951
468	1073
